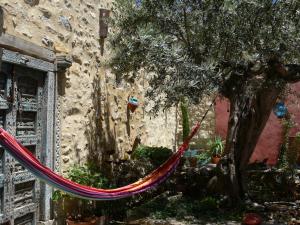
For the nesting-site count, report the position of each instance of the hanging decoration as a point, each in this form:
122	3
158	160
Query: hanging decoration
133	104
280	110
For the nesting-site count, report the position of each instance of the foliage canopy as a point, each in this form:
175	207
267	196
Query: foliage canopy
184	44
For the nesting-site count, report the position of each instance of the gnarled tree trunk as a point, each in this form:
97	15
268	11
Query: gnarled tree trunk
248	117
252	98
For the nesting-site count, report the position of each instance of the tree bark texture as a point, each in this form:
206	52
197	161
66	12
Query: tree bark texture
252	100
248	117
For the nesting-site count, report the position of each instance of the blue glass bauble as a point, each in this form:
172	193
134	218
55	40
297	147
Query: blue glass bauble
280	110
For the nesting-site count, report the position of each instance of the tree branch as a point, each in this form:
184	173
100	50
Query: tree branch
292	74
289	72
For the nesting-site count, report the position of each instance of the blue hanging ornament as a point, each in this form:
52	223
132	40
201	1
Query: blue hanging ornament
133	104
280	110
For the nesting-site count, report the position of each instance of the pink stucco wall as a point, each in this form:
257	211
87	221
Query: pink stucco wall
271	138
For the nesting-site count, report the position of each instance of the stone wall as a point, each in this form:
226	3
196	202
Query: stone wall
94	115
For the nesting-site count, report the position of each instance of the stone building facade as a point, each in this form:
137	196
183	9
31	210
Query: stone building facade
82	111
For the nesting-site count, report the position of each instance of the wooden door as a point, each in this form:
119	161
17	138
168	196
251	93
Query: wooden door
21	108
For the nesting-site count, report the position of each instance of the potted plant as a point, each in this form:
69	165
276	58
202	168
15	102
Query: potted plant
216	149
81	211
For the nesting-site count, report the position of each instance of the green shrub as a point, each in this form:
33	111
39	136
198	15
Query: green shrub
207	204
84	175
156	155
203	158
182	207
77	208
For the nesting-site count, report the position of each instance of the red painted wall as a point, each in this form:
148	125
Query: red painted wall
269	143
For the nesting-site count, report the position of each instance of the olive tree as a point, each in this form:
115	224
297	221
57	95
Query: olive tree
247	51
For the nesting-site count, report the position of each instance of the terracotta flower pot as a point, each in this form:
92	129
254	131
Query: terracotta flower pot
215	159
252	219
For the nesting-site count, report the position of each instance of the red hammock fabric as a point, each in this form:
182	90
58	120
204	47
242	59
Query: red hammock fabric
28	160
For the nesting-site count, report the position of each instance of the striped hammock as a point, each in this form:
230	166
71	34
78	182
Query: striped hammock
28	160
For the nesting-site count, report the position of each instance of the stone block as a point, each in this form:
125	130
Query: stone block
60	48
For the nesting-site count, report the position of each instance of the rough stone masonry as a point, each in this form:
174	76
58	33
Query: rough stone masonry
93	107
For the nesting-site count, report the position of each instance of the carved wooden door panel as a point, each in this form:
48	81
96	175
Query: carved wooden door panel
21	102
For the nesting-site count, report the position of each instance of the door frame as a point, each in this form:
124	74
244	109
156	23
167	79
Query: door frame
24	53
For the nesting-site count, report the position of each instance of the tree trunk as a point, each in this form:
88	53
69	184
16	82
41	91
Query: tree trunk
252	92
248	117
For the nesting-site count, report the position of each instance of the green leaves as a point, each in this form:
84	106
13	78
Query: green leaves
181	43
87	175
216	146
156	155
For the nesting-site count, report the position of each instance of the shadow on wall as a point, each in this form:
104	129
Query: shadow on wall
101	133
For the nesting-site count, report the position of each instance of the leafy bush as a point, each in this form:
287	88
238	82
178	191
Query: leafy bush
87	175
204	158
77	208
207	204
179	207
84	175
156	155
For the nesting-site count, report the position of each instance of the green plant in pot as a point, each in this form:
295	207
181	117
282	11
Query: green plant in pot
216	148
81	211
